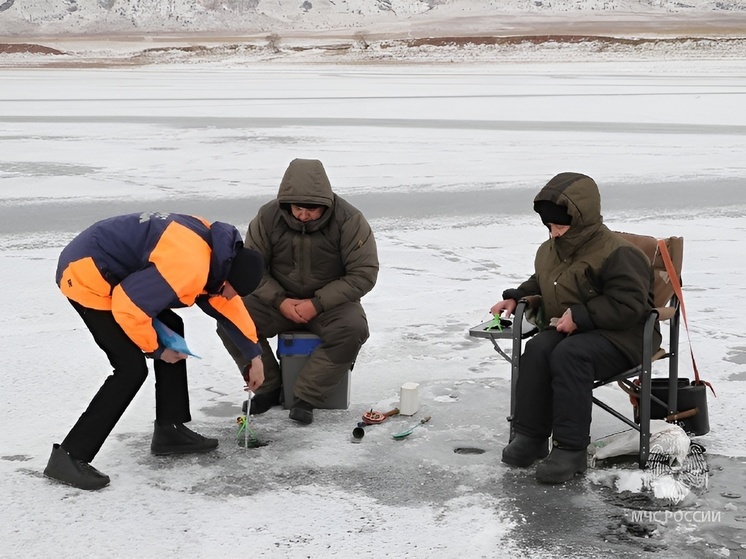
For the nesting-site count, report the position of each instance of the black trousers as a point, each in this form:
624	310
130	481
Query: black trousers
130	370
555	384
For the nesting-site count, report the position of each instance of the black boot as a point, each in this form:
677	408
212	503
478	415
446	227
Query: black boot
263	401
562	465
176	438
301	411
524	450
71	471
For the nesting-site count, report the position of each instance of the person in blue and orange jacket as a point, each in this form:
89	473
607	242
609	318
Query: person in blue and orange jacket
119	275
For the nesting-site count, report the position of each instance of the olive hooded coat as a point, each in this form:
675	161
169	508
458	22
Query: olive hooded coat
605	281
331	260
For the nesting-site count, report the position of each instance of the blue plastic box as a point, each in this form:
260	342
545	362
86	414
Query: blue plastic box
293	349
297	343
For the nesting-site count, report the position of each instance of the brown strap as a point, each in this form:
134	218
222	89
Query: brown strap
674	279
682	415
631	392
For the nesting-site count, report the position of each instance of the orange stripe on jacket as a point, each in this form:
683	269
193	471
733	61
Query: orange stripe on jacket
83	283
183	259
136	324
235	311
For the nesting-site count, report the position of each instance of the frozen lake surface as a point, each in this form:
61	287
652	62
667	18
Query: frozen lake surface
444	161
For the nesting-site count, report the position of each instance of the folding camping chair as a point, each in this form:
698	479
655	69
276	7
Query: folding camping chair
635	381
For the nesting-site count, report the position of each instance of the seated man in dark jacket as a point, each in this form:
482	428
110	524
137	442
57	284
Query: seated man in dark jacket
320	259
596	291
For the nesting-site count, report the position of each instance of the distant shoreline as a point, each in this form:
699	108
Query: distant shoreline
131	51
621	24
428	37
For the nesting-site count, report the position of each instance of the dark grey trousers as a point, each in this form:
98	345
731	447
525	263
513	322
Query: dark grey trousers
343	329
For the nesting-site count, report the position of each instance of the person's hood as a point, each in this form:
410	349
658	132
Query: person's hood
305	182
579	195
226	242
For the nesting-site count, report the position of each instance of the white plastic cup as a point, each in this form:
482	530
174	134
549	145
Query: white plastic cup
409	398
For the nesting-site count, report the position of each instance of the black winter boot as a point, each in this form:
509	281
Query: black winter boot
71	471
562	465
301	411
263	401
524	450
176	438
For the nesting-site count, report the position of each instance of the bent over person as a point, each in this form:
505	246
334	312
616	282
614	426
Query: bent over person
119	275
596	293
320	259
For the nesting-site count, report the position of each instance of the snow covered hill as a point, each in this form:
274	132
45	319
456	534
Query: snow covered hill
38	17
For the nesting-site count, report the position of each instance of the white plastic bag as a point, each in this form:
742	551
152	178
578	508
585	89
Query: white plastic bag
665	438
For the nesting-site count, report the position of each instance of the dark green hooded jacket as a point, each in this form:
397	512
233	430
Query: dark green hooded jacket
605	281
331	260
